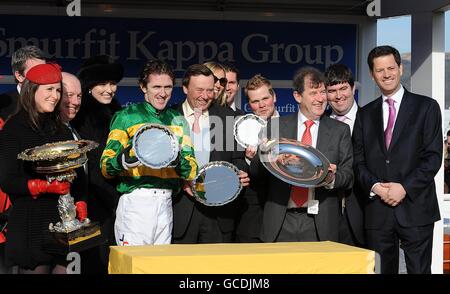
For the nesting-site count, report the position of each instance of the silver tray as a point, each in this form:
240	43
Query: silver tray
247	128
217	183
294	163
155	146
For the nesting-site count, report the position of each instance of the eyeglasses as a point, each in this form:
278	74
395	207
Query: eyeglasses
223	81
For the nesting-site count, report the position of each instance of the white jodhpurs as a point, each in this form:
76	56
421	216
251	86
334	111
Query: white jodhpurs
144	217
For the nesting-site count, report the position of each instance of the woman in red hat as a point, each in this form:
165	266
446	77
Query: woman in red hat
34	199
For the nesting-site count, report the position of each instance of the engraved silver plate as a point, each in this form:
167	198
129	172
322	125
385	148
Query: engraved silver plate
294	163
58	161
217	183
58	157
247	128
155	146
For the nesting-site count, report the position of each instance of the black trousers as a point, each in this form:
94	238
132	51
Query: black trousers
417	243
203	228
346	235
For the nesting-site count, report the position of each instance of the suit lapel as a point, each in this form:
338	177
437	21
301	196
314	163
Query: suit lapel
403	114
378	123
289	129
213	111
324	134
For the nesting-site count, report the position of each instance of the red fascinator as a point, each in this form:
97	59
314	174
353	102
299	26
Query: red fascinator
44	74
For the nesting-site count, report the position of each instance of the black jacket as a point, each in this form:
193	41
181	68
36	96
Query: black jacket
183	205
92	123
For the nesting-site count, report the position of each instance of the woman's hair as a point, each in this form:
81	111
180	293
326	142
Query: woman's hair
214	66
27	103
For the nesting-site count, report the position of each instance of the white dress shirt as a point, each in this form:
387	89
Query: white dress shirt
314	134
397	97
350	116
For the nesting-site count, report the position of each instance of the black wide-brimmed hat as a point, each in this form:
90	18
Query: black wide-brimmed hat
99	69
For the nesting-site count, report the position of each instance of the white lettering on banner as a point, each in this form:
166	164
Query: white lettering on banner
54	47
255	48
135	45
286	108
292	53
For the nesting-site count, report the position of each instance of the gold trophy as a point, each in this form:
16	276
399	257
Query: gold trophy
58	161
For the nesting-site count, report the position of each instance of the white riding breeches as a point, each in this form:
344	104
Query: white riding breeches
144	217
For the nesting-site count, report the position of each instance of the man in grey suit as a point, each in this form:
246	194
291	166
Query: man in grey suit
285	218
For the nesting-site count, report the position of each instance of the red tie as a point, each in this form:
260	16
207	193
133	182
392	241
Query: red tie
299	195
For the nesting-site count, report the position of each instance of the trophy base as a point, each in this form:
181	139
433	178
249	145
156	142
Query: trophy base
76	241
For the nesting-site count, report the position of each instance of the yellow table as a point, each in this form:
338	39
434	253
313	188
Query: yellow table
261	258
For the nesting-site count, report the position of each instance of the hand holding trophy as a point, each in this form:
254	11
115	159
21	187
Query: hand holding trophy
58	162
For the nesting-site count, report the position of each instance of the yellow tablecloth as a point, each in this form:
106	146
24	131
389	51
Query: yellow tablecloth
262	258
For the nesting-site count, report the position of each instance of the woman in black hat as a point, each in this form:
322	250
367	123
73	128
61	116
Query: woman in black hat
99	76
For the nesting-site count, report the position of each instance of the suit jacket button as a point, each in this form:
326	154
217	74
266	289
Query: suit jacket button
387	161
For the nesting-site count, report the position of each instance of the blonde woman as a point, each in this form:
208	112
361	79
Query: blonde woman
220	82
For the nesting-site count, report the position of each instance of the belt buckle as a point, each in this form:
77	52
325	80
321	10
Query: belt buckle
298	210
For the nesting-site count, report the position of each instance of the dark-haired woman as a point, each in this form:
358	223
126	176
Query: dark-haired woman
99	76
34	199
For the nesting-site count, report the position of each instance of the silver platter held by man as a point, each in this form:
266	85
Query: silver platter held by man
156	146
217	183
247	128
294	163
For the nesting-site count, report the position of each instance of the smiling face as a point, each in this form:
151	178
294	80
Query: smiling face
104	92
220	83
341	97
313	100
47	96
387	74
158	90
200	91
71	98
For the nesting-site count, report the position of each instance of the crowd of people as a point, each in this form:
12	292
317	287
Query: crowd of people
379	192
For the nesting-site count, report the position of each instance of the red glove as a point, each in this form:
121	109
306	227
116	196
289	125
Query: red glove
81	210
37	187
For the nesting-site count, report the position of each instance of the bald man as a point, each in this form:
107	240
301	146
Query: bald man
71	98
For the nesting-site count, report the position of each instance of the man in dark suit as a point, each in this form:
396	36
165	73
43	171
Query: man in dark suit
398	151
261	97
194	222
340	95
232	87
287	217
21	61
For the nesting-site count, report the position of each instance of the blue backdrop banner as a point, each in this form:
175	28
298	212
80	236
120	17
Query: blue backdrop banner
274	49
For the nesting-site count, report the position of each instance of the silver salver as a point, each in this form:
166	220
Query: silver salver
247	128
217	183
156	146
294	163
